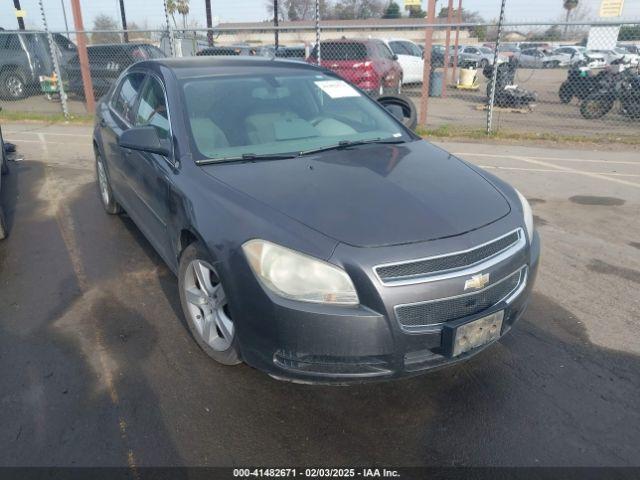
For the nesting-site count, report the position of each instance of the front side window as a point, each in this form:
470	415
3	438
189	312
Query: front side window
126	95
278	114
152	108
399	48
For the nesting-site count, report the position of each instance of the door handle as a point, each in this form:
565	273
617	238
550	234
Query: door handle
103	122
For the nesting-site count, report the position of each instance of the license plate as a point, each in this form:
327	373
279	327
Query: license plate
477	333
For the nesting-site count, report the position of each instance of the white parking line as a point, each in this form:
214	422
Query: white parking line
553	159
35	132
599	176
550	170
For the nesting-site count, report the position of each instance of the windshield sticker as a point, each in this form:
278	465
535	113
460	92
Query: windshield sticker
337	88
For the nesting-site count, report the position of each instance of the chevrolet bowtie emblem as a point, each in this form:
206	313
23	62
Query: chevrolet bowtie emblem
477	281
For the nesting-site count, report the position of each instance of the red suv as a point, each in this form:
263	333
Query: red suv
368	64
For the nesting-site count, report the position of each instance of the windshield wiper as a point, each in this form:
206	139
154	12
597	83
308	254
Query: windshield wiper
353	143
247	157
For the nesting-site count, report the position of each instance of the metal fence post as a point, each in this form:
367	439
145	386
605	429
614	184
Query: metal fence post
318	31
56	63
494	75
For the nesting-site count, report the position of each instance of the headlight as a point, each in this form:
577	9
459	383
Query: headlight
297	276
528	215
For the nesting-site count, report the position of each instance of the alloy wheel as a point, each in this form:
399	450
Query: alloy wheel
103	183
14	85
207	305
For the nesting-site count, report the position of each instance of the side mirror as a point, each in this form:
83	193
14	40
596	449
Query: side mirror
145	139
395	57
401	108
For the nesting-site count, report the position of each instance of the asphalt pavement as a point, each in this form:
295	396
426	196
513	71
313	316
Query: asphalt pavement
97	366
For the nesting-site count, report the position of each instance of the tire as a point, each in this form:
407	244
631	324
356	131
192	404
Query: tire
408	107
565	93
205	306
4	161
12	85
595	106
104	188
484	63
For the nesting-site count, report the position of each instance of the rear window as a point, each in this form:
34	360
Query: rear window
342	51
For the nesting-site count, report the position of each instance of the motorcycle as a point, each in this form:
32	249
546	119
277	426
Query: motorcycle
508	94
580	83
623	87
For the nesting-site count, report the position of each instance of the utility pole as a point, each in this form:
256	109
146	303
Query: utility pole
123	16
19	14
447	43
81	40
275	23
426	73
207	7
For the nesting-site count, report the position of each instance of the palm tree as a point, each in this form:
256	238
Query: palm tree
181	7
568	5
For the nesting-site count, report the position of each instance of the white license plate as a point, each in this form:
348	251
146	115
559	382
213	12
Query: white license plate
477	333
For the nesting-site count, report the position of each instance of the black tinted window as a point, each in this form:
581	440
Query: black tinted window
126	94
399	48
343	51
10	42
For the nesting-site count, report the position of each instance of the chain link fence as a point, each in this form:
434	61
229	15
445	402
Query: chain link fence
571	79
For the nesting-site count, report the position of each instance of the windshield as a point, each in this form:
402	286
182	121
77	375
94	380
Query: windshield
272	115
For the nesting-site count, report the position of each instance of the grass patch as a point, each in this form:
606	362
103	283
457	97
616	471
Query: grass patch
460	132
12	116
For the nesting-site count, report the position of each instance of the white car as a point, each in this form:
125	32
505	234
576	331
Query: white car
632	58
609	55
409	57
577	54
534	58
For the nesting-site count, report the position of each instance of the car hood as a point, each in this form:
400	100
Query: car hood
372	195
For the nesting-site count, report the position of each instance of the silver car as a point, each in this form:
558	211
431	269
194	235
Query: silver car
535	58
483	56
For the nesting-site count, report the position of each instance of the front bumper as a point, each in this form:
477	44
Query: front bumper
312	343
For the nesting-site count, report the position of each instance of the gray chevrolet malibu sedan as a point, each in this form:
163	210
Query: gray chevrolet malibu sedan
313	236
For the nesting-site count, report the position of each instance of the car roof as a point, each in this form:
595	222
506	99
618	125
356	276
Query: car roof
200	66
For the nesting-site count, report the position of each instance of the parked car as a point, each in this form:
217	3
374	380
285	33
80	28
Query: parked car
314	237
437	55
508	50
630	48
4	170
229	50
482	56
610	55
24	56
293	52
577	55
367	64
106	63
409	57
535	58
632	58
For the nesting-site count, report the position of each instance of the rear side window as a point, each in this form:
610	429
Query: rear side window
399	48
343	51
126	94
10	42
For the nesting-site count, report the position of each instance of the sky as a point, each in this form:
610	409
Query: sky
151	12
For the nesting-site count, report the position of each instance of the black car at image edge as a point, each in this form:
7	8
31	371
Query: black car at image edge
314	237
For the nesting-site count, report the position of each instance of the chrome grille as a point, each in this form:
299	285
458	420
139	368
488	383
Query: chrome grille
434	312
428	266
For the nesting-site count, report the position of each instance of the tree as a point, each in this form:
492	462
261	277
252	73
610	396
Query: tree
568	5
479	31
392	11
293	10
357	9
103	21
181	7
417	12
629	32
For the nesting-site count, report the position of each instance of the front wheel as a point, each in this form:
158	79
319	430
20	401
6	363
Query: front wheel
565	93
484	63
206	307
12	85
595	107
